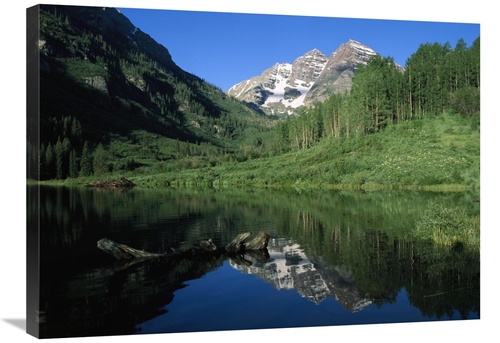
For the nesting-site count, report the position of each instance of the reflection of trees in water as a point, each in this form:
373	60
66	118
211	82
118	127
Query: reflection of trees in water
70	214
445	281
112	300
438	281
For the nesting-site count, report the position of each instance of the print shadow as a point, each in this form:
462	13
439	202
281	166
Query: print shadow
18	323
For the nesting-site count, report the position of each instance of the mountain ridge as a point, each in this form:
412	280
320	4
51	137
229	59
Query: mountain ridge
311	78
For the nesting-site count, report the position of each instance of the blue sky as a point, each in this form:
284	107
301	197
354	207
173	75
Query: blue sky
226	48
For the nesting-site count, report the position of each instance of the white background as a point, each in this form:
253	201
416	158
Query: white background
12	166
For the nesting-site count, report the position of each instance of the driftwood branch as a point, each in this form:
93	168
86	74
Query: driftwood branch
123	252
236	246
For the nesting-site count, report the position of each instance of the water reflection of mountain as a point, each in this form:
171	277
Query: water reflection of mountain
289	268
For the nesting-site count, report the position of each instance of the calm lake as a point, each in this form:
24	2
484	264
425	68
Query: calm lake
334	258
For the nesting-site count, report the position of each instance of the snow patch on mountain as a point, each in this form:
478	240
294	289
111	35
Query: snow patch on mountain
286	78
303	88
279	96
242	87
362	49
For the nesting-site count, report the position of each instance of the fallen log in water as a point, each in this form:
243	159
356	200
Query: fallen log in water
123	252
236	246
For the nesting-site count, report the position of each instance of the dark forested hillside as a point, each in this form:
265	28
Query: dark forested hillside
104	82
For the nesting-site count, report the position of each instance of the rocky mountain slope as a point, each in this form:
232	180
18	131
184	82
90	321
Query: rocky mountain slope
116	80
338	73
313	77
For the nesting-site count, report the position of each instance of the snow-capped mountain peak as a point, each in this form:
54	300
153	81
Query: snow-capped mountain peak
313	77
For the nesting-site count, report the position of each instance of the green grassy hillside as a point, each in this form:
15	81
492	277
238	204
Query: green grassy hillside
441	152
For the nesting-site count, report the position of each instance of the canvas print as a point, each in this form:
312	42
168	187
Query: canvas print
202	171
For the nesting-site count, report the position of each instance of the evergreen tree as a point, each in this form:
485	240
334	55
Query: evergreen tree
50	162
475	75
86	161
282	136
76	130
73	164
59	159
100	159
